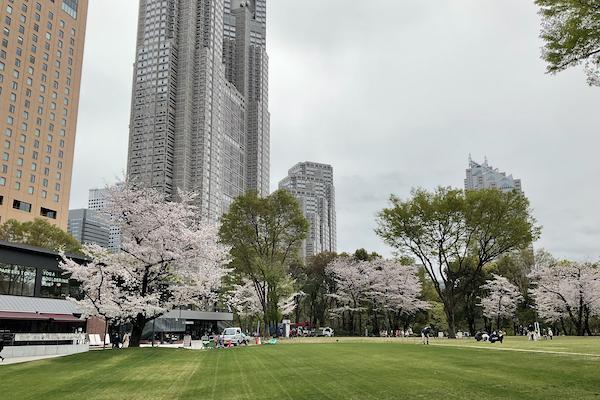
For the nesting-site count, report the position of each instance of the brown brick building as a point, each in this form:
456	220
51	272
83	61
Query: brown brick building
41	54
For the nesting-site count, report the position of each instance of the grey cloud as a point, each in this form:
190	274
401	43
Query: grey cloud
395	94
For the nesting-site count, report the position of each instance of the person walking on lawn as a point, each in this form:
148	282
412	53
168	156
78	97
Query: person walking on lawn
425	332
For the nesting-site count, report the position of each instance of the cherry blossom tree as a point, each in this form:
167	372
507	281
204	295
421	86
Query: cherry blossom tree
169	258
566	291
377	285
97	284
243	299
396	288
502	299
290	304
352	284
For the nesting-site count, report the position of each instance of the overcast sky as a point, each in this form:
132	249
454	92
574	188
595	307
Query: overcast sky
394	94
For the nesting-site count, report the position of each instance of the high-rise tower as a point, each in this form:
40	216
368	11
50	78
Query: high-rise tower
40	75
247	68
312	185
484	176
199	115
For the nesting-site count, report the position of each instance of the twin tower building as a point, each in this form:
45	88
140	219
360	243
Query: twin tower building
199	114
200	117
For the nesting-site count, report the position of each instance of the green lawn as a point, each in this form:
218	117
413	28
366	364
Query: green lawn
348	369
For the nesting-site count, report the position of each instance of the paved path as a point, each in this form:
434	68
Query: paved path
17	360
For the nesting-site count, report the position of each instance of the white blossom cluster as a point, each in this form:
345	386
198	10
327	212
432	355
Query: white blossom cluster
502	298
385	284
169	257
565	289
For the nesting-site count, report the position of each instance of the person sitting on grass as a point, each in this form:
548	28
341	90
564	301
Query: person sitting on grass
425	332
497	336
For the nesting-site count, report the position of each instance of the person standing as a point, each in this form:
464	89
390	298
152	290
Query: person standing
550	333
531	332
126	340
1	347
115	340
425	332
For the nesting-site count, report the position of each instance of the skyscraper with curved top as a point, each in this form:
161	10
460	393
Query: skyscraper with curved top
199	113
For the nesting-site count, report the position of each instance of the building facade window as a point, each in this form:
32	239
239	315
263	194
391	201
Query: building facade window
70	7
17	280
55	285
21	205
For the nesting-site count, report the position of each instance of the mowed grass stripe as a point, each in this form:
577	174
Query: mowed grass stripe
321	375
347	371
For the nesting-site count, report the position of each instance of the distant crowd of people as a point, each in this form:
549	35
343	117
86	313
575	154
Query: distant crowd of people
396	333
534	334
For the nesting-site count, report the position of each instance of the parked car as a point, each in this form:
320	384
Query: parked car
235	336
327	332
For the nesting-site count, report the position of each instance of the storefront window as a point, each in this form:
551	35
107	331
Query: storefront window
56	285
17	280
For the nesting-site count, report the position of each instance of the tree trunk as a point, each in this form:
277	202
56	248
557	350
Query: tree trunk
586	322
136	332
451	322
297	311
564	328
471	322
375	322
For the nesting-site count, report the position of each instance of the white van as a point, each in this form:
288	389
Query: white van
234	335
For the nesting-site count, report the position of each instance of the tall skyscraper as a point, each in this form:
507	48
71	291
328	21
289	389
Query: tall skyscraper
40	75
97	203
312	185
89	227
484	176
199	115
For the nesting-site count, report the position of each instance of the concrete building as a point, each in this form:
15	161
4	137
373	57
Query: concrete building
484	176
40	74
199	113
88	227
97	202
312	184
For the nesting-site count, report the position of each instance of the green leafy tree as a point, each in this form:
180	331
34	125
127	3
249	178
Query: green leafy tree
40	233
571	31
265	235
364	255
455	234
316	287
